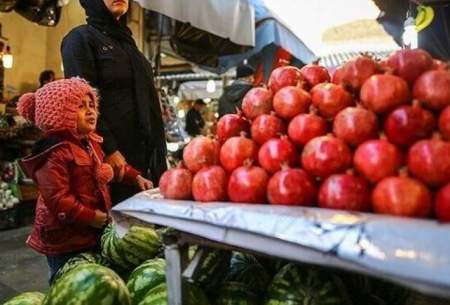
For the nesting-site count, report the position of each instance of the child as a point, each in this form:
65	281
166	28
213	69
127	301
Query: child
67	166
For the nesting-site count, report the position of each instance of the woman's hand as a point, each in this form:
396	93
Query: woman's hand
118	162
100	219
143	183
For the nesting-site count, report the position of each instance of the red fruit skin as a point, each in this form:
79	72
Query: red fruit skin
315	74
444	123
176	184
266	127
290	101
330	98
326	155
275	152
355	72
377	159
408	124
248	185
442	204
284	76
231	125
440	65
429	161
305	127
210	184
291	187
432	88
344	192
384	92
354	125
401	196
257	101
409	64
201	151
236	150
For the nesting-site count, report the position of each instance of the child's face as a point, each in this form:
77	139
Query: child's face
87	116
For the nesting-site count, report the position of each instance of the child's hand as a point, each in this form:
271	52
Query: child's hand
100	219
144	184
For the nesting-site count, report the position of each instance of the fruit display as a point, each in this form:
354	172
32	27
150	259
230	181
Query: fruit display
80	259
145	277
27	298
7	197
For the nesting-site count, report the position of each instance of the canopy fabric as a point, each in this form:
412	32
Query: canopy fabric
197	90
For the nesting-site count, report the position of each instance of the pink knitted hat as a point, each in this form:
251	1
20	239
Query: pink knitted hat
55	106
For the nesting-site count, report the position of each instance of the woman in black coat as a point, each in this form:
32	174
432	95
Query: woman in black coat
104	52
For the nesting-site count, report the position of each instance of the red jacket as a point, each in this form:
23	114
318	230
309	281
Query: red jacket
69	193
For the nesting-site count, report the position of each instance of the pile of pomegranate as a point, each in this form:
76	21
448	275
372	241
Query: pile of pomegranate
372	137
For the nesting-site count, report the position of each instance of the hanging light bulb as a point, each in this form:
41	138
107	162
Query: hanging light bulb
410	37
211	86
7	58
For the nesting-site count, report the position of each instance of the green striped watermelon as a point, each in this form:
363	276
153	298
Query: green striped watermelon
82	258
89	284
148	275
27	298
235	293
299	285
158	296
137	246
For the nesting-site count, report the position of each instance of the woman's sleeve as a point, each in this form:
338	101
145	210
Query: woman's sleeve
79	60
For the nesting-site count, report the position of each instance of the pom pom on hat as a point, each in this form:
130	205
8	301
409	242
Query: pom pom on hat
27	106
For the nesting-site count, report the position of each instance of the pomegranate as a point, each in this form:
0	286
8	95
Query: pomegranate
315	74
290	101
257	101
210	184
248	184
442	204
330	99
231	125
355	72
355	125
176	183
344	192
284	76
201	151
429	161
236	150
305	127
410	63
440	65
433	89
266	127
408	124
377	159
291	187
326	155
384	92
275	152
444	123
401	196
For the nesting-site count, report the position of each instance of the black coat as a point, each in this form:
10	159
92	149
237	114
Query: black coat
194	122
232	97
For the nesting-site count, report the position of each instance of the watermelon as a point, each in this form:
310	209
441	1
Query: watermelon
299	285
235	293
158	296
27	298
148	275
89	284
213	269
82	258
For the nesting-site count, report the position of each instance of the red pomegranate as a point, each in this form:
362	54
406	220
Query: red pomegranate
315	74
440	65
291	186
266	127
236	150
201	151
284	76
210	184
344	192
410	63
429	161
433	89
377	159
330	98
257	101
305	127
442	204
326	155
248	184
408	124
231	125
275	152
401	196
176	183
444	123
384	92
290	101
355	72
355	125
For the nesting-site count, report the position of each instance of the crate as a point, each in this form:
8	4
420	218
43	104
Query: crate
27	192
9	219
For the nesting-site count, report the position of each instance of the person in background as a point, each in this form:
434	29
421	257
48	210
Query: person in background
46	77
232	95
194	119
